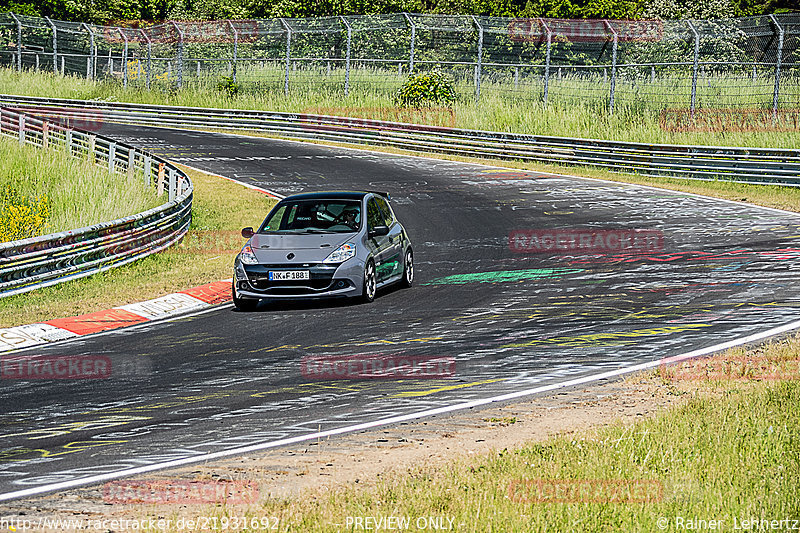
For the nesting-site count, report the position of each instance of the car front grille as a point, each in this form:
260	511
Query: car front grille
321	279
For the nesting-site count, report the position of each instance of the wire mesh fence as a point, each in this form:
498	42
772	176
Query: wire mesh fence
748	64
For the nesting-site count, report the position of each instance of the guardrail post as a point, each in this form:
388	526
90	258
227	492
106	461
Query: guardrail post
613	66
91	148
55	44
478	65
347	56
112	155
45	134
90	61
695	68
68	141
149	59
21	123
180	54
172	184
19	41
131	162
235	50
148	171
160	180
778	60
547	62
288	55
413	43
124	58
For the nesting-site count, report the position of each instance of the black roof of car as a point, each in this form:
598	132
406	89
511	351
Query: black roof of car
332	195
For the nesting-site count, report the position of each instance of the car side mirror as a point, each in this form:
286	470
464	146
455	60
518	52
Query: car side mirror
378	231
248	232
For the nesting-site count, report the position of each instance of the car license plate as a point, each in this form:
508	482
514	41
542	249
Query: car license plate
288	275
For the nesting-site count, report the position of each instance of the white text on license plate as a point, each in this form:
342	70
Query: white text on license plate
288	275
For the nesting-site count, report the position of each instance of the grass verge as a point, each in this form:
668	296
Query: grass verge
729	453
496	111
221	209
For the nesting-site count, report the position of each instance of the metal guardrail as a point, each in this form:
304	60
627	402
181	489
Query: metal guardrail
744	165
42	261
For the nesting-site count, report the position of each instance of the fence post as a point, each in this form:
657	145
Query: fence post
124	58
21	123
413	43
347	56
235	50
19	41
180	54
149	58
613	66
547	62
778	60
68	141
91	59
288	55
695	68
55	44
45	134
478	65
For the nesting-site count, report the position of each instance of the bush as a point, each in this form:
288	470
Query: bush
228	86
431	88
22	217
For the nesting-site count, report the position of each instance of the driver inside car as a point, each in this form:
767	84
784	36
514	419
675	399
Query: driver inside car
350	218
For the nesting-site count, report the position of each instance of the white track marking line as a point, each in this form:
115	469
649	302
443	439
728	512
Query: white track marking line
401	418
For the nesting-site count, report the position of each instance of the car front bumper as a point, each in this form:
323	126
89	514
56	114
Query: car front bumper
326	281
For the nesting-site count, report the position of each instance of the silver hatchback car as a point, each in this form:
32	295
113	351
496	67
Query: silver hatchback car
323	244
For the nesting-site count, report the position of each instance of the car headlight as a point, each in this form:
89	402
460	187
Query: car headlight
247	256
342	253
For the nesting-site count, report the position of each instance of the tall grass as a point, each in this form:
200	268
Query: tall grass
77	193
636	118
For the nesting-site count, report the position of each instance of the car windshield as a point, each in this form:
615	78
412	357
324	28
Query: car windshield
314	216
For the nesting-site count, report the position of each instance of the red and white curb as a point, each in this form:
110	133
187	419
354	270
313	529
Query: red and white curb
194	299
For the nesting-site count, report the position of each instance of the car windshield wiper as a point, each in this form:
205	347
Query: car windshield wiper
316	231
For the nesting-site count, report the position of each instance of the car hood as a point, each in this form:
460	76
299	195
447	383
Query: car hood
309	247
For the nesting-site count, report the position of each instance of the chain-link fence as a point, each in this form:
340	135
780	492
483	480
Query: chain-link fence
684	65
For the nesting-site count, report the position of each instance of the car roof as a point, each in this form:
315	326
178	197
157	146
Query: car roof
334	195
328	195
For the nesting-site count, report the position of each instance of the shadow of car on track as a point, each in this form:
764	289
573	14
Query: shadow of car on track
266	305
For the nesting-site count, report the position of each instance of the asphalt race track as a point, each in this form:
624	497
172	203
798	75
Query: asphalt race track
510	319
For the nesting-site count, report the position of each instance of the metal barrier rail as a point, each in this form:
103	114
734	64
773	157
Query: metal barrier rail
37	262
744	165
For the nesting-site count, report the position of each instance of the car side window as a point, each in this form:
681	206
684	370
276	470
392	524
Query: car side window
374	215
386	210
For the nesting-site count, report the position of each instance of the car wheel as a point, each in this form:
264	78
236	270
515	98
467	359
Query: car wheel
408	269
370	283
243	304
